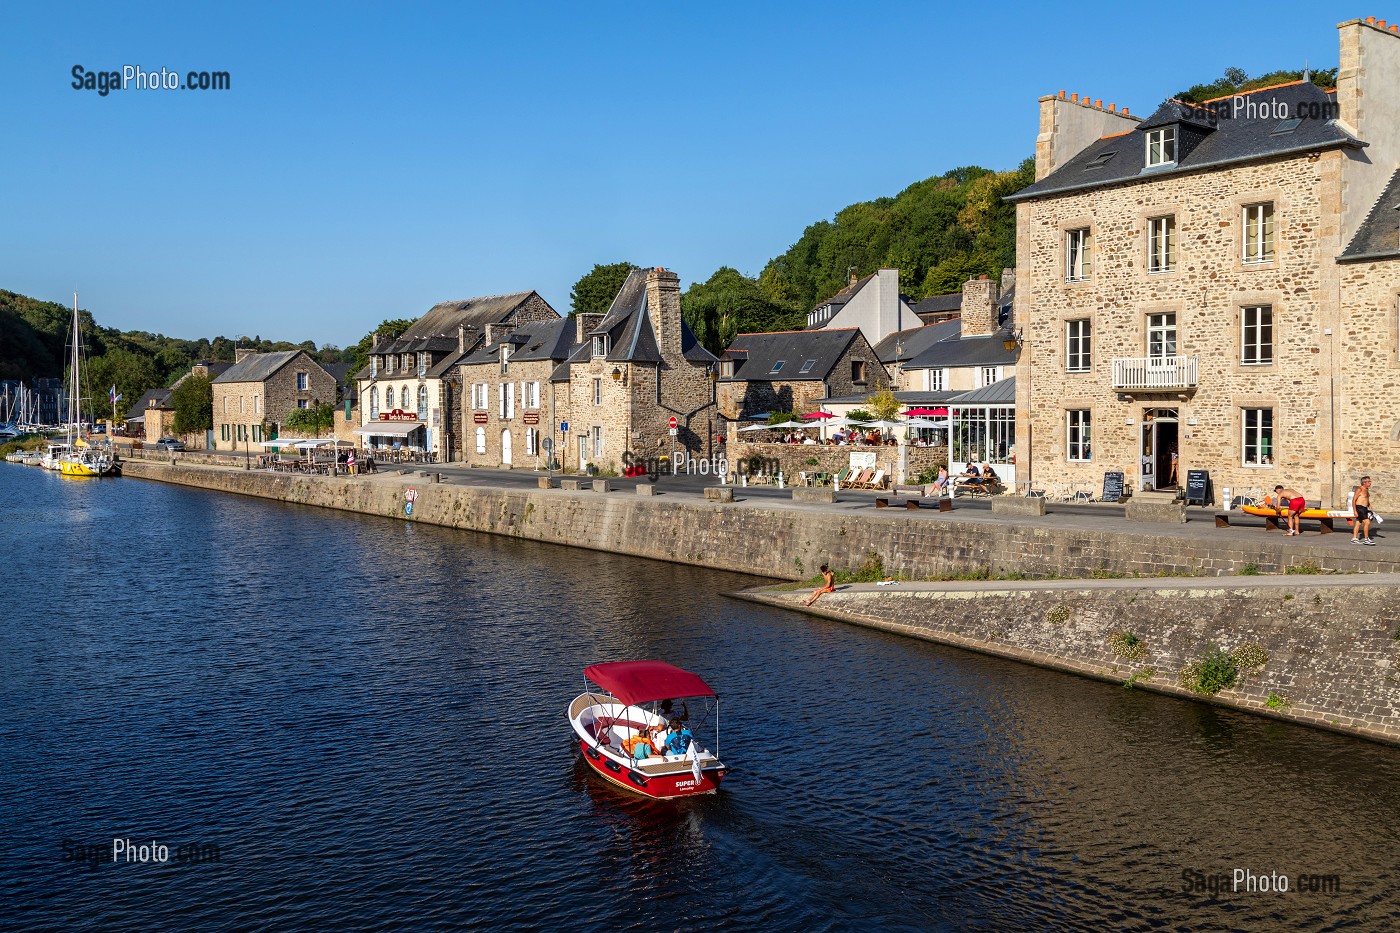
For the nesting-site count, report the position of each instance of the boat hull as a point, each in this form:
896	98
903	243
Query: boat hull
598	724
1266	512
657	787
77	469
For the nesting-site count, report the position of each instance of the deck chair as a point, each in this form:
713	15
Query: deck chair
877	481
862	479
844	477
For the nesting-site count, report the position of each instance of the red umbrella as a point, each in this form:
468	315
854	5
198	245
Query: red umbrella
819	414
926	412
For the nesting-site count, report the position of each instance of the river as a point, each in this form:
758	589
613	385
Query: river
366	718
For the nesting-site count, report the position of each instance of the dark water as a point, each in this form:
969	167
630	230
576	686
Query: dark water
366	717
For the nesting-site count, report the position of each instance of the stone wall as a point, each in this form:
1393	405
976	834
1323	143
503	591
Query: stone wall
487	448
1368	365
1332	660
254	404
792	458
1207	290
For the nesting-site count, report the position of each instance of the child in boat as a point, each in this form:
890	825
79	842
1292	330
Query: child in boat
679	739
645	743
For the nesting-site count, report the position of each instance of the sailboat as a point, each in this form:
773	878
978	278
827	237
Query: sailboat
80	458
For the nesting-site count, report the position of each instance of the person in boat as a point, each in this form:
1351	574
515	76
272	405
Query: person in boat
645	744
678	739
1291	503
667	711
828	586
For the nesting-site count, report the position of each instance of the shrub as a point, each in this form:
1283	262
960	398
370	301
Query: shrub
1276	701
1058	616
1249	658
1305	567
1249	570
1147	673
1127	645
812	461
1213	671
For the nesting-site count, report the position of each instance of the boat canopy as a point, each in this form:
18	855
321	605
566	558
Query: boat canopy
635	682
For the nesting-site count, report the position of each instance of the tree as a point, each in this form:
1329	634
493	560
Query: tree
193	402
132	374
883	405
358	355
594	293
716	308
314	418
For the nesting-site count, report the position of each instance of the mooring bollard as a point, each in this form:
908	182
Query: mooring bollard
780	480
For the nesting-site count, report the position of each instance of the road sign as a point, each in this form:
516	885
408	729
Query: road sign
675	432
564	426
673	423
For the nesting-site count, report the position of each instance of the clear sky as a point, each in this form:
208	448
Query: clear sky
372	159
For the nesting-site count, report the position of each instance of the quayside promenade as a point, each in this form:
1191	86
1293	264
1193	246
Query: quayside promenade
1325	624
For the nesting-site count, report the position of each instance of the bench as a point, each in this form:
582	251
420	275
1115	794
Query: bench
1275	522
913	497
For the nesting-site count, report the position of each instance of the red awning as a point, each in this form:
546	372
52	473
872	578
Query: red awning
635	682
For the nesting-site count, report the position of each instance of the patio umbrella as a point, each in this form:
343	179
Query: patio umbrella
926	412
844	423
757	427
925	423
819	414
883	425
793	424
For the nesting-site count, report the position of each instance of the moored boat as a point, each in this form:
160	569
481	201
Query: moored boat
608	724
79	458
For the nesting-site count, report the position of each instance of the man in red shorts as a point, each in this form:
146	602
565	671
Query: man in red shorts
1293	501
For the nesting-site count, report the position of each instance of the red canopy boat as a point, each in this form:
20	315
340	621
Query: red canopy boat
611	723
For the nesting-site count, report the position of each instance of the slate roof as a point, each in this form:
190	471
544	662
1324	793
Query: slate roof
437	330
794	348
904	398
631	334
1121	158
159	396
1378	237
939	304
258	367
952	350
1001	392
910	343
542	340
339	371
845	294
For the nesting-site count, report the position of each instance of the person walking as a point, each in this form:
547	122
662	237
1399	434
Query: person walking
1361	503
1291	503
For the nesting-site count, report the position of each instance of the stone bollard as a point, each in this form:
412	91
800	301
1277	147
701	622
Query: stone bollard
646	489
719	493
573	485
1018	505
546	482
1140	509
602	485
813	494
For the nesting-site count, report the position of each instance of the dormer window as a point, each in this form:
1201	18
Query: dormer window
422	364
505	358
373	366
600	345
1161	146
388	362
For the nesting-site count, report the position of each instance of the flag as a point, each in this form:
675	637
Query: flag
694	761
113	394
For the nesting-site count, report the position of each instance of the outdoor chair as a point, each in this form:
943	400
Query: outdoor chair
877	481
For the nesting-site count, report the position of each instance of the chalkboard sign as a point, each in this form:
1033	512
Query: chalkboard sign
1112	487
1197	486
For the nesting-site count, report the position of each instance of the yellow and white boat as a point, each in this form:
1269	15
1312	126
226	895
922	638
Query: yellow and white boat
79	458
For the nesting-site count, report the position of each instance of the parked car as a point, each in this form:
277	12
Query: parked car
169	443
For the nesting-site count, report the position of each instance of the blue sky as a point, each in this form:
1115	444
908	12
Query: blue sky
370	160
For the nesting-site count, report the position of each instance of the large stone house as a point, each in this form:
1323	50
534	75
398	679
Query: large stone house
796	370
254	396
1179	287
512	403
409	395
153	417
635	368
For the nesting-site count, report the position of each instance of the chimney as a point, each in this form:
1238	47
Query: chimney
586	323
1008	280
979	307
664	306
461	338
497	332
1368	108
1068	126
239	353
853	280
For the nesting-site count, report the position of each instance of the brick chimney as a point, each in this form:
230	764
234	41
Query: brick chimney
979	307
664	307
586	323
239	353
497	332
854	279
1369	108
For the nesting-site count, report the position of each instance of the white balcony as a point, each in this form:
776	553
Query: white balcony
1150	374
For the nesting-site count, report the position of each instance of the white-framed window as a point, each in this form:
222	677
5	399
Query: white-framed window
597	440
373	402
505	358
225	408
388	398
937	380
1161	336
1077	245
1077	423
388	363
986	375
1257	425
726	369
597	391
257	404
1161	244
600	345
422	364
404	397
373	366
1161	146
1259	232
532	442
407	362
303	382
242	404
506	392
303	403
531	395
481	440
1257	335
1078	346
422	403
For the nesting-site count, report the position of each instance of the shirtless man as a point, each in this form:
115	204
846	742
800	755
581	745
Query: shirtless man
1290	501
828	586
1361	502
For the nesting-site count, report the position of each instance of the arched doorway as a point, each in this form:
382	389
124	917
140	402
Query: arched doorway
505	447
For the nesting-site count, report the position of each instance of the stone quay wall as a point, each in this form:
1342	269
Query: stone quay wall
1331	659
792	458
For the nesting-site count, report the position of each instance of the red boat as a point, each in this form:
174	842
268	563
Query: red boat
630	703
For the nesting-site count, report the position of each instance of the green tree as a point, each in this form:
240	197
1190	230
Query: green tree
883	405
314	418
358	355
715	308
132	373
193	402
594	293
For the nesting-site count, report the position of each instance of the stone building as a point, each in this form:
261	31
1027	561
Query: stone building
634	369
1179	290
962	353
796	370
152	416
409	394
512	403
875	305
254	396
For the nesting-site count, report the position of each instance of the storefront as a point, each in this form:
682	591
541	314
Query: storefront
388	436
983	430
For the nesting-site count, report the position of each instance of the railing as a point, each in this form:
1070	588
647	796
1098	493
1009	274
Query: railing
1162	372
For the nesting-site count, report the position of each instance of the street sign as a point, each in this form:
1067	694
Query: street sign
673	423
564	426
675	431
547	444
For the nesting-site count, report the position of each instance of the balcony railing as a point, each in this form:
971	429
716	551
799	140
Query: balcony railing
1152	373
